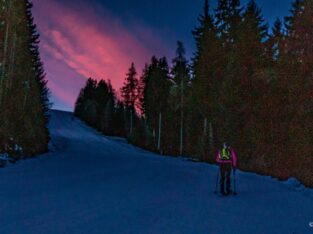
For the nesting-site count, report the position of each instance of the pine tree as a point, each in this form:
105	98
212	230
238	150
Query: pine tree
228	16
86	104
149	84
155	95
24	118
253	34
107	119
180	89
271	110
275	43
207	70
296	82
40	89
8	31
141	90
96	106
101	98
101	94
130	95
296	10
6	20
118	120
86	95
251	82
130	89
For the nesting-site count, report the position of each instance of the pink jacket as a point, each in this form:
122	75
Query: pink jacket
233	158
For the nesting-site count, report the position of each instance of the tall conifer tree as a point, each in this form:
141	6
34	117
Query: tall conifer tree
23	86
130	89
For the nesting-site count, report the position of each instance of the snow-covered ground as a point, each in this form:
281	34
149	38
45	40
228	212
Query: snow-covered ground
93	184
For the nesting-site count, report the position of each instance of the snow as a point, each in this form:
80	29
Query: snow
90	183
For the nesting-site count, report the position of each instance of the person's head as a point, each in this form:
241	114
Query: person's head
225	145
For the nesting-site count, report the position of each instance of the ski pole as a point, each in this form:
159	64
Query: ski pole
234	175
217	177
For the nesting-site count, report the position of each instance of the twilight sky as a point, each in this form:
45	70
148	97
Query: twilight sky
100	38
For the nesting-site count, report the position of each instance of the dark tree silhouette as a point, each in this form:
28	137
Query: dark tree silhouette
23	86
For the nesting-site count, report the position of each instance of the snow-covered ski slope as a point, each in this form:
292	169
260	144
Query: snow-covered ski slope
89	184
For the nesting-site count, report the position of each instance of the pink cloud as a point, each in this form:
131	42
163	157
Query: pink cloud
88	44
60	93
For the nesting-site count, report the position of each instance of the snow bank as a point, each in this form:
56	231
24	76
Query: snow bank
295	185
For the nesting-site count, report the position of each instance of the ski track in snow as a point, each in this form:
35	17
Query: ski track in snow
89	183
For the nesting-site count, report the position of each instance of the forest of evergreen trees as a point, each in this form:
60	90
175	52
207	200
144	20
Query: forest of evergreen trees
247	84
24	100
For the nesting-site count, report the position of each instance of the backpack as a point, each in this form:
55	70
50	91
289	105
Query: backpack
225	154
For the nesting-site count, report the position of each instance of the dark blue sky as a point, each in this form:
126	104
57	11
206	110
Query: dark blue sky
174	19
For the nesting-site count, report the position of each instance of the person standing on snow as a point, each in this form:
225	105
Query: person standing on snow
226	157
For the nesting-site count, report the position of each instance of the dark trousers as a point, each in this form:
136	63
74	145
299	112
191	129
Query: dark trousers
225	169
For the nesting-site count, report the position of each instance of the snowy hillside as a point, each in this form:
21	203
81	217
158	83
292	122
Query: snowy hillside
92	184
